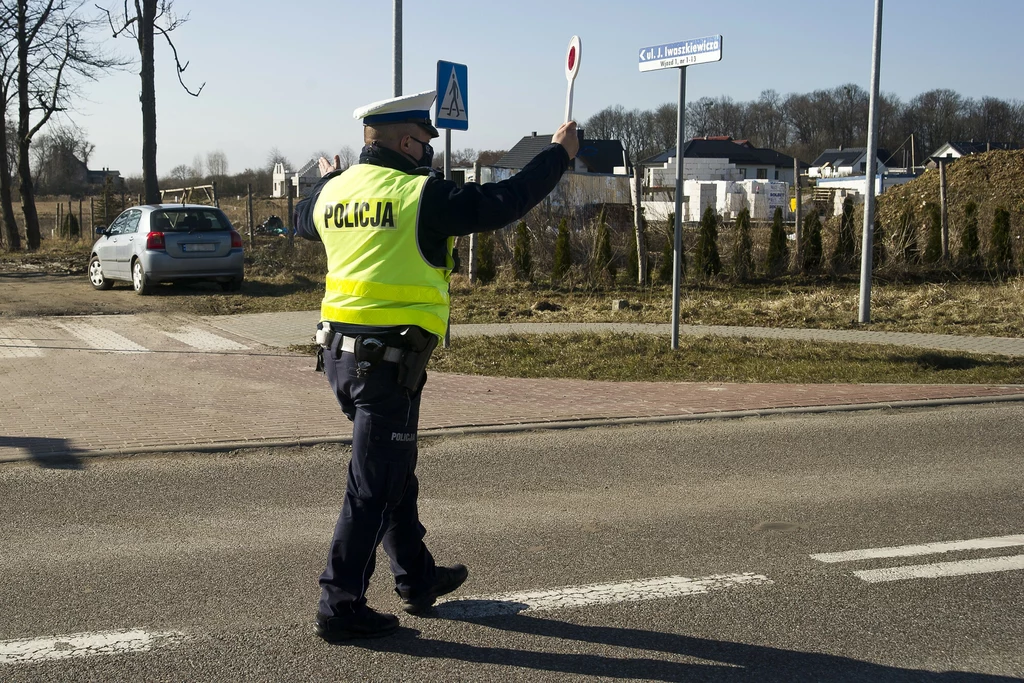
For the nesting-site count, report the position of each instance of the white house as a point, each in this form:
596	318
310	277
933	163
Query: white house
302	180
845	161
725	174
719	158
956	149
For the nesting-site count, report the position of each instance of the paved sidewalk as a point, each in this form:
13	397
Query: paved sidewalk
76	387
286	329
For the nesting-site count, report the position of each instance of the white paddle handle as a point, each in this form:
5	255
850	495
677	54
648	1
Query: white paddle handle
568	102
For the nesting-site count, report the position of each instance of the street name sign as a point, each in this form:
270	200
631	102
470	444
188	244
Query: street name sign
453	96
686	53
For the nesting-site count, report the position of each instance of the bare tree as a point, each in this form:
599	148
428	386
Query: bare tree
8	135
61	159
181	174
275	156
142	22
348	157
53	53
217	163
197	167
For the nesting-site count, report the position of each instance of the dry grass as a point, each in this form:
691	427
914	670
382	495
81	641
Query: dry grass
712	359
286	277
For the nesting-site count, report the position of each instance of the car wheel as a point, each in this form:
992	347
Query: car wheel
232	285
96	276
140	283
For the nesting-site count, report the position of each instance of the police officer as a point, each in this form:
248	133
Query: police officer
388	226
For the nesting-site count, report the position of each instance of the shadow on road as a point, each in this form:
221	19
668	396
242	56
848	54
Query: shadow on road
721	661
48	453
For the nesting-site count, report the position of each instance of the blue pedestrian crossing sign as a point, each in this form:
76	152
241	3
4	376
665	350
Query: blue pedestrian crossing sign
452	97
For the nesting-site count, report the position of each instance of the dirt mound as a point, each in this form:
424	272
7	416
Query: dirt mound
992	180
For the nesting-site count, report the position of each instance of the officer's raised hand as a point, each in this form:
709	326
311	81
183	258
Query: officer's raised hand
567	138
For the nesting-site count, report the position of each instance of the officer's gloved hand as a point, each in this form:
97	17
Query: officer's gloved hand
456	262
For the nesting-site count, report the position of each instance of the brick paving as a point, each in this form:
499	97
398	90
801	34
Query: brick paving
75	400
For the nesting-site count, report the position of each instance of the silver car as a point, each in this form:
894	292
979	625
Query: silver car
156	243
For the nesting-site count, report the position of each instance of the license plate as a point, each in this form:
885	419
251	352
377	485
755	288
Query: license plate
199	247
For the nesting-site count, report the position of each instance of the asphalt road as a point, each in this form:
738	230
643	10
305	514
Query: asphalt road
200	567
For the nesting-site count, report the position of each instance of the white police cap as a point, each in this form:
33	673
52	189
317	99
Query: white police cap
404	109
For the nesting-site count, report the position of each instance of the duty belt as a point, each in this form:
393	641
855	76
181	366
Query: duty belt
391	354
338	343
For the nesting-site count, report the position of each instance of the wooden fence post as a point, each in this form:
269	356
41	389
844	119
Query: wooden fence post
944	214
290	223
471	266
638	218
798	229
252	231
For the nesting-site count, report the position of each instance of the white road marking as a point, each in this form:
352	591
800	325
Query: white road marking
14	344
205	341
987	565
923	549
34	650
594	594
102	339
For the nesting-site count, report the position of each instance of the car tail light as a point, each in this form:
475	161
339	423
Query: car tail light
155	241
236	240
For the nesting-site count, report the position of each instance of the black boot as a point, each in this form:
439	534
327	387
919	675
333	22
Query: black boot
446	580
361	623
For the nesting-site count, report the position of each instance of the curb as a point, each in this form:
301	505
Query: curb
582	423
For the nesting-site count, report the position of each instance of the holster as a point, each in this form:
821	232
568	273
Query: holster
419	345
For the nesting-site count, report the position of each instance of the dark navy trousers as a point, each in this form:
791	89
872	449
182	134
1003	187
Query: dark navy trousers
381	492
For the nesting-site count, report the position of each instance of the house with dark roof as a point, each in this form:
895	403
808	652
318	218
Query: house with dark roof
845	161
720	158
599	175
595	156
954	150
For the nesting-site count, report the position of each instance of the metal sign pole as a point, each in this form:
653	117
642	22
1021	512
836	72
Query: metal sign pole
869	198
397	61
679	56
677	247
448	176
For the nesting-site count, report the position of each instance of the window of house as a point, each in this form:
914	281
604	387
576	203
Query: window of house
762	174
864	167
776	174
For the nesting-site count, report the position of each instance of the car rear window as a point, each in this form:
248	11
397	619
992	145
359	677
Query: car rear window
188	220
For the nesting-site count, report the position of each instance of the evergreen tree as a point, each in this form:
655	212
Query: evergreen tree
1002	246
706	261
842	256
485	266
633	258
604	264
908	236
69	228
563	254
667	252
521	252
970	242
778	247
812	243
933	247
743	248
878	250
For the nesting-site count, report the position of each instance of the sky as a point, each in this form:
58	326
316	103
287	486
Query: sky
288	75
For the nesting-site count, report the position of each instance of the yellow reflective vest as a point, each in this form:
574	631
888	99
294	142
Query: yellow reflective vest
376	273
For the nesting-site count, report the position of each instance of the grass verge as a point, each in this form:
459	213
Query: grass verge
645	358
